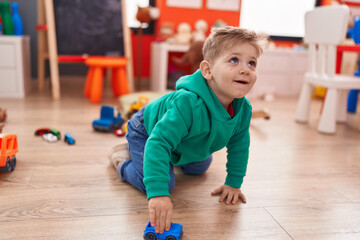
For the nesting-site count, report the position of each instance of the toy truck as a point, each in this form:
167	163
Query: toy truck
9	148
108	122
136	106
175	232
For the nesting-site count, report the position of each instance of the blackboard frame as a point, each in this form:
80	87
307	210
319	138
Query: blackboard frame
47	47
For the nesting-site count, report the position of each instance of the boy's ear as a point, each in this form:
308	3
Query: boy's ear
205	70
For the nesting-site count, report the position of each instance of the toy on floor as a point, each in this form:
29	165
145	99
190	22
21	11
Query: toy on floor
261	114
56	133
52	135
9	148
174	233
49	137
136	106
49	134
41	131
108	122
69	139
119	132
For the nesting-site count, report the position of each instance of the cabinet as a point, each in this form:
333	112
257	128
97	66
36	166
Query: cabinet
159	63
15	80
280	72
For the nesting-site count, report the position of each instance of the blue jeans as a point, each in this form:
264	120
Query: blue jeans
131	170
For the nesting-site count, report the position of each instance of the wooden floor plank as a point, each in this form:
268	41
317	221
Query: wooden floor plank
299	185
319	221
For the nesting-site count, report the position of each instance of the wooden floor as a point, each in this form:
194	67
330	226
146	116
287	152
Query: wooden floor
300	184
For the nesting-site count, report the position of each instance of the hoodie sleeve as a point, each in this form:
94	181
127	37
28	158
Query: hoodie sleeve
164	138
238	154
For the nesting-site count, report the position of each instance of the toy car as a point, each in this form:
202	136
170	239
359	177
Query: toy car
42	131
136	106
174	233
108	122
8	149
56	133
119	132
69	139
50	137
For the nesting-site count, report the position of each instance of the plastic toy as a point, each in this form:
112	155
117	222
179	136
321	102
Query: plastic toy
42	131
55	133
119	132
125	126
167	30
183	35
136	106
8	24
9	148
174	233
198	34
108	122
69	139
18	23
49	134
50	137
147	14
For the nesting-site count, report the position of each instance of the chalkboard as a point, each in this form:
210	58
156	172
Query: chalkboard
91	27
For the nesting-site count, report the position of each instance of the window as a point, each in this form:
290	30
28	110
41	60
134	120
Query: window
281	19
131	10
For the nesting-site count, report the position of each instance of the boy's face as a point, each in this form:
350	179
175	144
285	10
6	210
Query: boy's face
233	73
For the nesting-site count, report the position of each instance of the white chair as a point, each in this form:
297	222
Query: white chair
325	28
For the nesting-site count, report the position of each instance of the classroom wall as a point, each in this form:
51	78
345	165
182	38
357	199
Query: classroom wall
28	11
179	15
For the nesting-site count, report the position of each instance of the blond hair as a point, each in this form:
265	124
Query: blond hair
227	37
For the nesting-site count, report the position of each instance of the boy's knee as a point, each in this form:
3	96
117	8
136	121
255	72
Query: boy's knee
190	171
197	168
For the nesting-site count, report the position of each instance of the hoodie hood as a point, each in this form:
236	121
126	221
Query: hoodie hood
197	84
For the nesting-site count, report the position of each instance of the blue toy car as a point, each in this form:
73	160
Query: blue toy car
69	139
108	122
174	233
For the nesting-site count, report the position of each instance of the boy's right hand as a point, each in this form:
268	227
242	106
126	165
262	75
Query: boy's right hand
160	210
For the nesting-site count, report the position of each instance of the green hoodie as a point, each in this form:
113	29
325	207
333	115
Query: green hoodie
187	126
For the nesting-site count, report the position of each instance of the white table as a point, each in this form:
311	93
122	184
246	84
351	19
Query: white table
279	71
159	63
15	79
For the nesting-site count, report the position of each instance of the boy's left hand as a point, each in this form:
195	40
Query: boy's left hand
231	194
